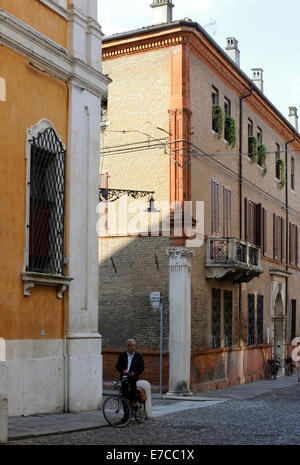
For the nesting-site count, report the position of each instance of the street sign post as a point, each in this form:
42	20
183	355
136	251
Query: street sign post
156	300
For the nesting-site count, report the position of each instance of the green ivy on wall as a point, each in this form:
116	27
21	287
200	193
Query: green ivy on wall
262	150
230	131
217	120
253	149
281	165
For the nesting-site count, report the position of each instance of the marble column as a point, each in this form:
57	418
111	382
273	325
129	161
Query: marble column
180	320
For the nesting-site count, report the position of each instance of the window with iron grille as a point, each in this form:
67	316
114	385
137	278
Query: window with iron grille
251	319
216	317
260	319
227	318
47	204
293	320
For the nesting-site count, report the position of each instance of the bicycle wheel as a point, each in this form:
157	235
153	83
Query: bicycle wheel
139	412
117	411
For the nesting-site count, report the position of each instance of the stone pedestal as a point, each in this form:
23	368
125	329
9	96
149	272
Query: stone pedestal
180	320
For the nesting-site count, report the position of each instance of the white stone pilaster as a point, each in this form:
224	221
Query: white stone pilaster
83	348
180	320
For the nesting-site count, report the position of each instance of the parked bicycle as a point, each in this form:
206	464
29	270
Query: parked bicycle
290	367
118	410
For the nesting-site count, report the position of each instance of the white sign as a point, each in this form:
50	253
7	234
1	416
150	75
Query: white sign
155	304
154	296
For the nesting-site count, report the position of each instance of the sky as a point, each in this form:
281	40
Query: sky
267	32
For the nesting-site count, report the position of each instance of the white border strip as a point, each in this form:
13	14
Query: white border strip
59	6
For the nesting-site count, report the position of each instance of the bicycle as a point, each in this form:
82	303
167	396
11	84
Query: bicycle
290	366
118	411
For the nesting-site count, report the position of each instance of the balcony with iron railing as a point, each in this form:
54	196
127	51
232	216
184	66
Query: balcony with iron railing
232	259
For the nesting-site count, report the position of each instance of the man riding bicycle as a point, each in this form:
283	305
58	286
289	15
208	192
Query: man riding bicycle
131	364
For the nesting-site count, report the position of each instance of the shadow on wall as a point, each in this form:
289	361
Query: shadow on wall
129	268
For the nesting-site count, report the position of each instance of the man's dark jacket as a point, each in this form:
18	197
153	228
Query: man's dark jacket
137	364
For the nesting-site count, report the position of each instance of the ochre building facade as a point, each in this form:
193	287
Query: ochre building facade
51	91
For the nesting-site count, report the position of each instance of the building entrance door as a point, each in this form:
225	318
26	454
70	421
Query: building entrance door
278	348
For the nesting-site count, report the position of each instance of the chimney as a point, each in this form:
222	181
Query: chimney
162	11
233	50
293	117
257	77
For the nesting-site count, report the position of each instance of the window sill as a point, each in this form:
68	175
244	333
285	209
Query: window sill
31	279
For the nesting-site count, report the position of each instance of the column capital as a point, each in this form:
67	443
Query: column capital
180	255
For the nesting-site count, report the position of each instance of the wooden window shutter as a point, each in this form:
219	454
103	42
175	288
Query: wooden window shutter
213	212
229	212
226	212
265	231
246	219
291	244
274	237
258	225
215	221
296	257
217	209
282	238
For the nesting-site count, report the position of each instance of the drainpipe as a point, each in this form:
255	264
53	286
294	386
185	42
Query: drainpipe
241	188
287	227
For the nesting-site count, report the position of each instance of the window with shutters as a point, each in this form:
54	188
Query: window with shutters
293	244
227	318
251	319
226	211
215	219
216	317
293	320
278	238
260	319
256	224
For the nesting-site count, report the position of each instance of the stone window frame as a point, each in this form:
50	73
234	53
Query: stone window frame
30	279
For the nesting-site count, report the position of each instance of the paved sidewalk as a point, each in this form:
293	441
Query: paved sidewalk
41	425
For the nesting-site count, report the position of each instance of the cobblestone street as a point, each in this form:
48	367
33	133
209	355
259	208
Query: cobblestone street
271	418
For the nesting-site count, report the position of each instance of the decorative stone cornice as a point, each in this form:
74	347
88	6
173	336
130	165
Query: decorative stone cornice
142	45
52	56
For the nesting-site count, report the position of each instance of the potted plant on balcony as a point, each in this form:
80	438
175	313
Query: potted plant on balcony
230	131
217	120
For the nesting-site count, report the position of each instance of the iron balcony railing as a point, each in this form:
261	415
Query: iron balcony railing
232	250
228	258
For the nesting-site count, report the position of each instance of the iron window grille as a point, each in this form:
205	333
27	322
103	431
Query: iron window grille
216	317
260	319
47	204
227	318
251	319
